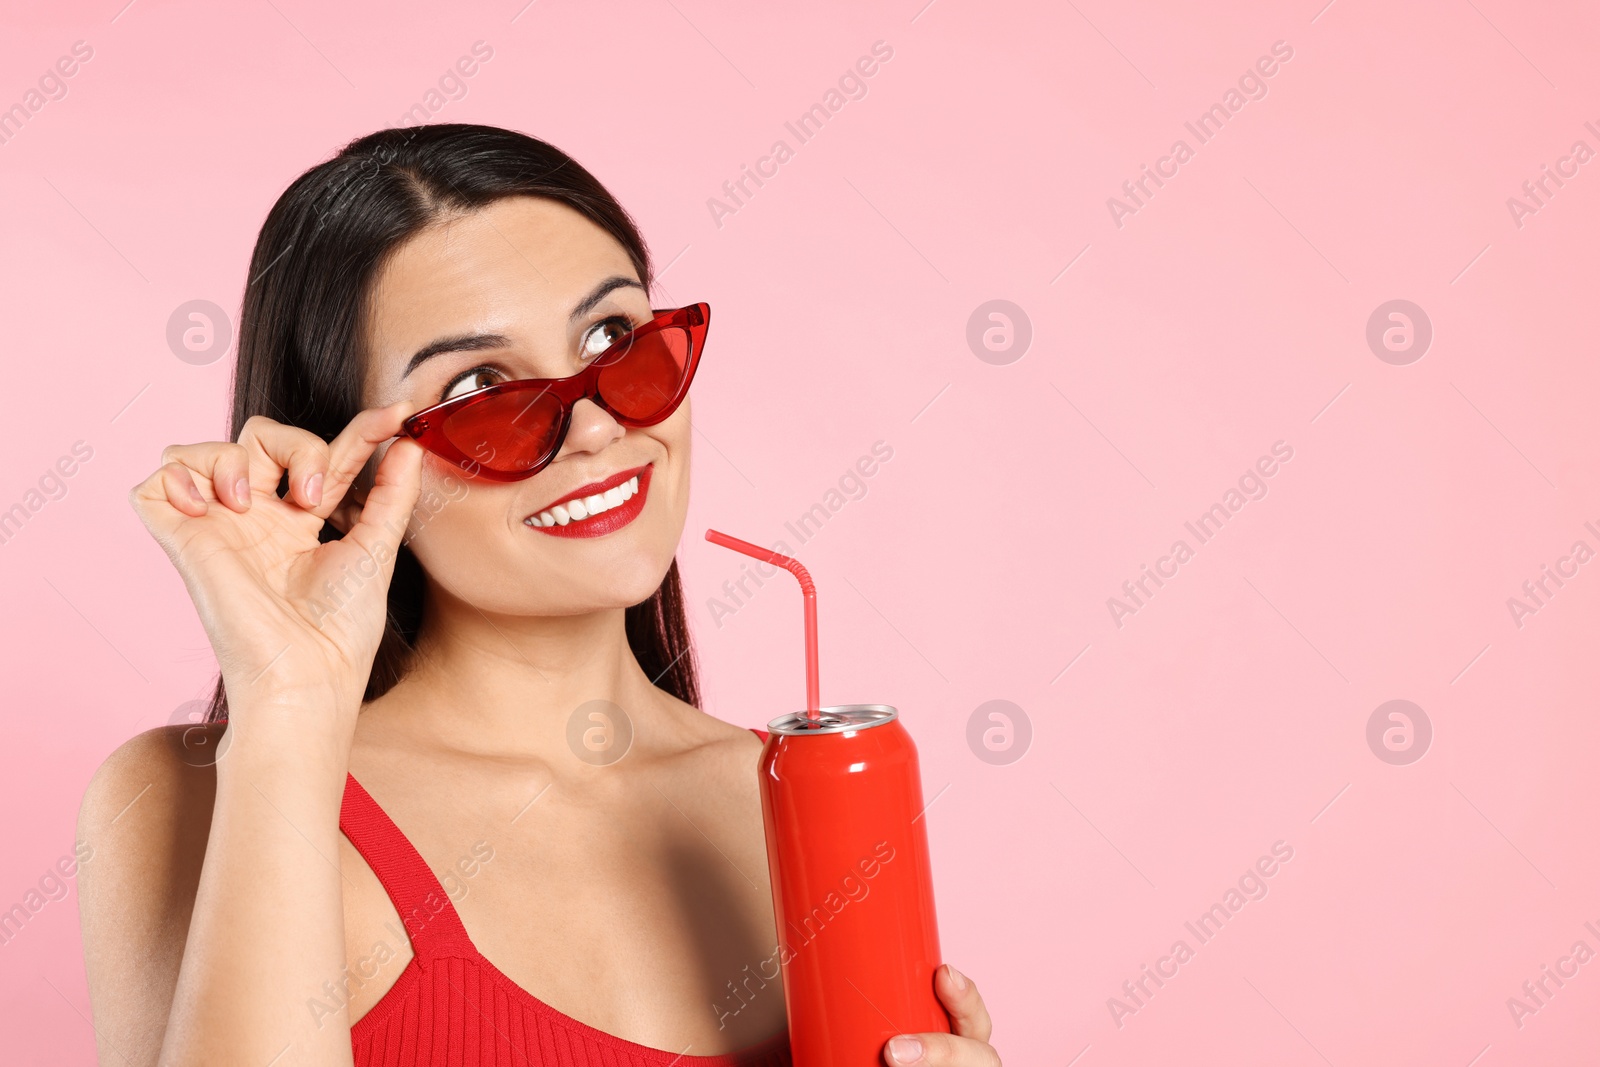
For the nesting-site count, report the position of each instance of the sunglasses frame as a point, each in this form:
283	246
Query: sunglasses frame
426	427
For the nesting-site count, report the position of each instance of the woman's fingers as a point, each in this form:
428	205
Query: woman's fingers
349	452
223	469
186	480
177	485
319	472
389	504
256	462
968	1044
962	1002
274	449
938	1050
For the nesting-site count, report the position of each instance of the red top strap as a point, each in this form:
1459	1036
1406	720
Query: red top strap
430	919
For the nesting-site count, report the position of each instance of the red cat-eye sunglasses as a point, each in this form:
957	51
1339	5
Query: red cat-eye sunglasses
513	430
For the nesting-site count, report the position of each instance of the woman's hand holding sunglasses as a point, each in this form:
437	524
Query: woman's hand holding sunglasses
294	623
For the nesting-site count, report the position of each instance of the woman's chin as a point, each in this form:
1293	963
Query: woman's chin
642	587
616	591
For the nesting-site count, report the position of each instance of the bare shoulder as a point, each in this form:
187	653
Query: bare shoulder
720	757
713	736
142	831
154	791
144	822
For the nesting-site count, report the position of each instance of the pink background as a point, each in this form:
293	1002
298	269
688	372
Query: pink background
1167	355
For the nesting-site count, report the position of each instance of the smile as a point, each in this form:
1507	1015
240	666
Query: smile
595	509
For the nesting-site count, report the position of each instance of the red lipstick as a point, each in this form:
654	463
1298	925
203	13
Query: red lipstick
612	518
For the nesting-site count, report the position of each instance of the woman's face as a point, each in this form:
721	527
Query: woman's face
525	288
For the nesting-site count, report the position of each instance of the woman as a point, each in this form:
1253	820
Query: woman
431	639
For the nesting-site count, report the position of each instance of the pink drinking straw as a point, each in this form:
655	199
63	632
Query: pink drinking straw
808	590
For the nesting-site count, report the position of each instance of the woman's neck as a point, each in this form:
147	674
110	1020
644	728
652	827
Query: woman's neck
507	686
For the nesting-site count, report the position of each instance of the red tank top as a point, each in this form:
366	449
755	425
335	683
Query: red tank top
452	1006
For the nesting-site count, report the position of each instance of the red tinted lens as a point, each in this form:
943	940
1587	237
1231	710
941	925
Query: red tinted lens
643	380
508	432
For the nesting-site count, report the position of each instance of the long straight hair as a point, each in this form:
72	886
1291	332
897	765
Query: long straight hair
302	337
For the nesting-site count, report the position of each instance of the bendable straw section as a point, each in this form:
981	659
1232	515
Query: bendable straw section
808	590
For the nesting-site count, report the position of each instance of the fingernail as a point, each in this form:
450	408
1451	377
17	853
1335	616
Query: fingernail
194	491
241	490
905	1049
314	488
958	979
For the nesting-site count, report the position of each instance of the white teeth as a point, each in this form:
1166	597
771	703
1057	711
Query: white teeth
578	509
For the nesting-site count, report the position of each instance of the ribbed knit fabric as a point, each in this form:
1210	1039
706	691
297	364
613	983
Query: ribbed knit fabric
451	1006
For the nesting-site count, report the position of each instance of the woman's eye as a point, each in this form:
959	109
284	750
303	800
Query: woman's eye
603	335
470	382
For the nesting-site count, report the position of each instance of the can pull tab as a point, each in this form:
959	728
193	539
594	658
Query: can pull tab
808	590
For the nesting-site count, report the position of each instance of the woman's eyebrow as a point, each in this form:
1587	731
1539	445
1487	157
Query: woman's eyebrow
466	342
472	342
599	293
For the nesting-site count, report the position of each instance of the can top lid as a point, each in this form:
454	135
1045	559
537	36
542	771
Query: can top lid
834	720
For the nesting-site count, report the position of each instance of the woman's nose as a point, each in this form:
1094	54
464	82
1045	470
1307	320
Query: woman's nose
591	430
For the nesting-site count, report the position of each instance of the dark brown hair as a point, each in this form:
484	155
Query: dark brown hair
302	325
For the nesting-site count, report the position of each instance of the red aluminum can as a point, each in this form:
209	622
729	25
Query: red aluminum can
852	886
